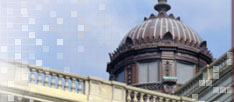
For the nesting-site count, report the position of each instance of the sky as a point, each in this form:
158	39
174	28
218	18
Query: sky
77	35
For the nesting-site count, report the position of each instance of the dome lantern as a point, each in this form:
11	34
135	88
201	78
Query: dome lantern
162	7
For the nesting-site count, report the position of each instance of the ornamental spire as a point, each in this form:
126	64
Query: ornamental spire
162	7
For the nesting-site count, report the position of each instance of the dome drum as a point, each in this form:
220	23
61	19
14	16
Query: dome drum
150	43
150	53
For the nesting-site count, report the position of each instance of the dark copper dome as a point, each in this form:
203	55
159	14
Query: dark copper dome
157	27
161	53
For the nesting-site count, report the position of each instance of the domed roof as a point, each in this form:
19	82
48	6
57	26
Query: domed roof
159	26
156	27
160	37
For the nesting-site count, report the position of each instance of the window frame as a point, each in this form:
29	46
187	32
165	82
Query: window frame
156	62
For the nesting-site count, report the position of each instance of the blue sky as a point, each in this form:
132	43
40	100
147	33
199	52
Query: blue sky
85	51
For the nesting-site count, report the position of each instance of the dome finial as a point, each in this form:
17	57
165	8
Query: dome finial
162	7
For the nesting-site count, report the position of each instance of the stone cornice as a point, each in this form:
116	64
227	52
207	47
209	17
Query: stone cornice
125	51
154	43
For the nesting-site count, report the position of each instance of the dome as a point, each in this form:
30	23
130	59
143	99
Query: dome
158	27
156	53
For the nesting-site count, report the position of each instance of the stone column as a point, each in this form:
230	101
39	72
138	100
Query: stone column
60	77
46	81
53	80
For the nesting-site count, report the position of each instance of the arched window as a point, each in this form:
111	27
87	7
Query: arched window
129	41
168	36
203	45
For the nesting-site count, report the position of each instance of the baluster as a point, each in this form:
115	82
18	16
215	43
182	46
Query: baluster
73	86
173	100
39	77
154	98
46	81
135	97
60	77
167	100
160	99
53	80
147	98
80	86
142	97
32	76
129	96
66	86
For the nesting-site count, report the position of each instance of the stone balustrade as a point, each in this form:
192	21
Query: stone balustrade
57	79
57	86
138	95
208	74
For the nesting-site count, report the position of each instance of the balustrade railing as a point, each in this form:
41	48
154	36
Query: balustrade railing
57	79
74	83
91	89
138	95
207	75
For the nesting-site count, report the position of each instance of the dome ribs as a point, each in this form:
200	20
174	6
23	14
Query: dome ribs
158	28
176	27
136	31
145	27
150	30
133	31
182	29
155	27
161	28
194	36
153	32
171	28
167	28
140	30
188	33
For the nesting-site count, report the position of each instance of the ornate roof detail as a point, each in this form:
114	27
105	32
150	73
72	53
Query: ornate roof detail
158	38
164	42
156	28
162	7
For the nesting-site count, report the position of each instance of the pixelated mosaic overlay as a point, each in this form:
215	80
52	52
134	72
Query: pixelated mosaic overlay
35	31
48	32
42	31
